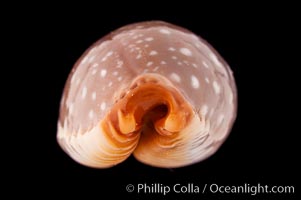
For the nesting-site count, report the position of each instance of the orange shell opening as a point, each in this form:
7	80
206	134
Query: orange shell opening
153	108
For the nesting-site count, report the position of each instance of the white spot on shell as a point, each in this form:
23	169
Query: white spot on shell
216	87
91	114
119	78
156	68
164	31
138	56
149	39
103	72
84	60
171	49
139	41
93	96
215	60
179	63
149	63
186	52
107	55
204	110
220	119
175	77
115	73
110	84
91	58
195	82
207	80
103	106
194	65
205	64
119	63
152	53
174	57
84	92
163	62
95	65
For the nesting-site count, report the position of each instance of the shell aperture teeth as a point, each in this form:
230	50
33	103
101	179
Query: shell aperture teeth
127	122
174	122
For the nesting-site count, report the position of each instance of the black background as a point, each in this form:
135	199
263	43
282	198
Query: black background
257	42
